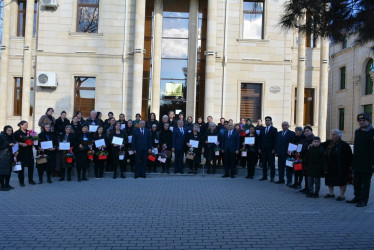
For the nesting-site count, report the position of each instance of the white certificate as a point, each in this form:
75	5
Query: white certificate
15	148
93	128
249	140
247	131
289	163
194	143
299	147
171	128
100	143
46	144
163	160
117	140
131	152
64	146
292	147
258	132
129	139
123	126
155	151
212	139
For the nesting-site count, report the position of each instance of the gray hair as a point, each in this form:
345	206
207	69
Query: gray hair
93	111
212	124
338	132
165	116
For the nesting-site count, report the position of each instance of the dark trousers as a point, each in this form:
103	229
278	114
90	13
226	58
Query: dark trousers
141	162
30	171
229	163
281	167
211	157
81	172
44	167
152	165
4	181
116	164
314	185
251	163
99	168
268	161
306	179
178	164
132	161
166	166
362	185
289	172
298	177
66	169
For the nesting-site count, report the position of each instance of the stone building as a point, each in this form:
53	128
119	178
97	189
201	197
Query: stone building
350	86
225	58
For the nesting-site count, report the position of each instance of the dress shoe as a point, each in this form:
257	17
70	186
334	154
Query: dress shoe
49	181
32	182
79	179
279	182
315	195
225	176
85	179
271	180
305	191
9	186
143	176
354	200
115	176
4	189
61	179
136	177
69	179
362	204
247	177
329	196
263	179
340	198
40	181
232	176
123	176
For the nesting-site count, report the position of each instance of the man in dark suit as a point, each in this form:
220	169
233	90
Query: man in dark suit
93	120
284	137
179	144
230	148
268	137
141	146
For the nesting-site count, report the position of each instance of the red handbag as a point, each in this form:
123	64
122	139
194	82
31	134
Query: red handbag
151	158
297	166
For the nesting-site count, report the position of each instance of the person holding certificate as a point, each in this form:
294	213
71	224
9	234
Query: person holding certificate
166	143
47	145
6	157
141	146
251	144
83	144
211	144
66	141
100	145
93	120
129	153
284	138
297	140
118	140
179	146
152	165
230	148
25	156
194	136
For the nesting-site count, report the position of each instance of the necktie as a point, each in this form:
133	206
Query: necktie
142	132
267	130
283	133
230	133
181	130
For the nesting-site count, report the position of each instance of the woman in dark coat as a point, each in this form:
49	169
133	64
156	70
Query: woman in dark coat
25	155
298	139
196	136
83	144
67	136
6	157
309	137
76	126
152	165
339	158
117	148
152	120
201	123
129	129
61	123
99	164
209	148
252	150
189	124
166	144
48	167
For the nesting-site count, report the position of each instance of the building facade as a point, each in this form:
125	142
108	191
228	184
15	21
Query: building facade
225	58
350	86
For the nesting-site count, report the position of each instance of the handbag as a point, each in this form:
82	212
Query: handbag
41	160
190	156
17	167
168	154
298	166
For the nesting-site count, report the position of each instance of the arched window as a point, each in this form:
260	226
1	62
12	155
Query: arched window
368	80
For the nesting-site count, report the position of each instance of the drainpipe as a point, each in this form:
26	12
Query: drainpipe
124	58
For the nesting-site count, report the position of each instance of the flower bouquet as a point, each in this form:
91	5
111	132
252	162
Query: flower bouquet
102	155
31	138
41	159
69	157
90	154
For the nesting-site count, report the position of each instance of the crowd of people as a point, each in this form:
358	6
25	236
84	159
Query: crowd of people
113	145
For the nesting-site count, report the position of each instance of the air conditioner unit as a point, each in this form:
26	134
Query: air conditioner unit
46	79
49	3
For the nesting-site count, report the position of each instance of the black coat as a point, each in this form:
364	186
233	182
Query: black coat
25	154
77	128
166	137
6	155
60	125
155	137
197	151
82	154
363	157
268	141
150	123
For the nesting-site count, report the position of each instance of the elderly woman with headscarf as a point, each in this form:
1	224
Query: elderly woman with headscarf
6	157
339	157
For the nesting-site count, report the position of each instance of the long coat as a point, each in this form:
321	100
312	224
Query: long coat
363	156
6	156
339	160
197	151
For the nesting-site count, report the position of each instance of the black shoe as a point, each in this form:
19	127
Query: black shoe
61	179
315	195
190	172
69	179
4	189
136	177
263	179
271	180
354	200
79	179
123	176
305	190
309	195
362	204
9	186
85	179
340	198
32	182
143	176
279	182
163	171
247	177
49	181
40	181
208	172
232	176
22	184
329	196
214	172
115	176
181	172
225	176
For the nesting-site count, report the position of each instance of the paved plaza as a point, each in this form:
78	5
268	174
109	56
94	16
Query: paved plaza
179	212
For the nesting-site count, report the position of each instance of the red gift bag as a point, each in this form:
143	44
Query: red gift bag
297	166
151	158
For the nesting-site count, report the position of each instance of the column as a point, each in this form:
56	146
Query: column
323	88
192	58
27	60
156	65
4	66
372	78
210	59
300	78
137	82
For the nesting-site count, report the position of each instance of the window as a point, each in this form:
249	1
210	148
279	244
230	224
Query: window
84	100
368	109
253	18
308	106
341	119
345	42
88	16
21	22
368	81
310	42
251	99
342	78
18	85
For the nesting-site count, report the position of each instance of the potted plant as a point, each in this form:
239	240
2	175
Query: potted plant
69	157
102	155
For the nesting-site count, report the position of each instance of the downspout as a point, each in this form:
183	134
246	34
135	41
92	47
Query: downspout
224	63
124	58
